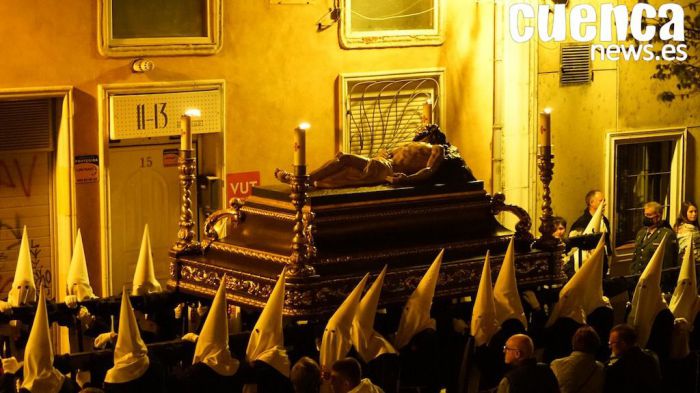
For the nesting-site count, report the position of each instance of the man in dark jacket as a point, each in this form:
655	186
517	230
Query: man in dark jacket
593	199
526	375
631	369
649	237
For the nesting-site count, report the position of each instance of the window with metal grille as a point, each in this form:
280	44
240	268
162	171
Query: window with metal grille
382	112
575	65
644	174
644	166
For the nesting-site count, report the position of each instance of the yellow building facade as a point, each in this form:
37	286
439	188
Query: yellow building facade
276	69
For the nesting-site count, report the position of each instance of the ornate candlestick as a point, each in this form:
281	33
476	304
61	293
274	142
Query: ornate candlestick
544	162
187	166
545	165
301	244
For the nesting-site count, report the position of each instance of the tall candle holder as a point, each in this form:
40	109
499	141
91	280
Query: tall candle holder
187	166
301	247
545	165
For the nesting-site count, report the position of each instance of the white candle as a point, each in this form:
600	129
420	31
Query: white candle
186	127
544	135
300	144
428	112
185	132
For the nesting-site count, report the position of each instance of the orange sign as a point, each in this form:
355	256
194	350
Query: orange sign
240	185
170	157
86	169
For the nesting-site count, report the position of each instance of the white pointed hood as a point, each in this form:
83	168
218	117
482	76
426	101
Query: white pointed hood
39	373
337	340
596	225
367	341
78	281
416	313
23	288
212	344
130	353
584	291
505	291
266	342
484	324
144	276
684	302
647	300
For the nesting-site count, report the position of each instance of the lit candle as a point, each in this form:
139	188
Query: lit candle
300	144
186	128
428	112
185	132
544	135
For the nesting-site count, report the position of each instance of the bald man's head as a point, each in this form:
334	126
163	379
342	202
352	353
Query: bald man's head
518	348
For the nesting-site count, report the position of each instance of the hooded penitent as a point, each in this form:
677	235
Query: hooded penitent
416	313
144	276
684	302
212	344
23	288
337	341
130	353
484	324
267	340
584	291
78	281
505	291
648	300
39	373
368	343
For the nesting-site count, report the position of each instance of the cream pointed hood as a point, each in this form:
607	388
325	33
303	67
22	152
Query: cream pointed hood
78	281
39	373
684	302
368	343
416	313
23	288
596	225
267	340
647	300
484	324
212	344
505	291
130	353
144	276
337	340
584	291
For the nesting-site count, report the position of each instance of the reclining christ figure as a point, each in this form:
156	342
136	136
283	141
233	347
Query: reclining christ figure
428	158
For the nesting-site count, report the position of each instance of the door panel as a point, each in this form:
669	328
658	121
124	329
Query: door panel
144	189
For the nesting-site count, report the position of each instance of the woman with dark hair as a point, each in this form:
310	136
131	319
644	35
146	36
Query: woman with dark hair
687	230
567	258
559	227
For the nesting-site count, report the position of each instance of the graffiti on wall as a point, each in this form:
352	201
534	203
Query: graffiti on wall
23	179
25	199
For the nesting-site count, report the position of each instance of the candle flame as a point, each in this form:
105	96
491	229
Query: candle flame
193	112
304	126
547	110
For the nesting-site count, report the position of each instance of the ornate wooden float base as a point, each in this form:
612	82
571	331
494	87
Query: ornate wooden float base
354	231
